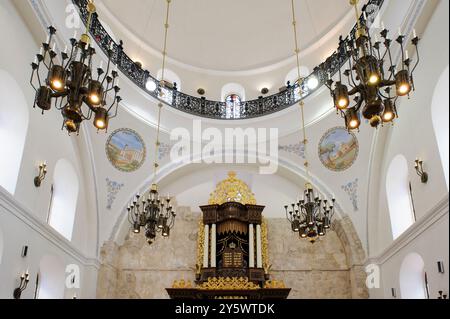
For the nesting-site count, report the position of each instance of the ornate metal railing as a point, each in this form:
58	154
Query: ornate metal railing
202	107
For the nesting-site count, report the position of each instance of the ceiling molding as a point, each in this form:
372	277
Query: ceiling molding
332	33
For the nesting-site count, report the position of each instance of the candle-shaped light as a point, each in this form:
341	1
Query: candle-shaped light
75	34
65	49
382	26
41	51
414	33
101	64
407	55
400	31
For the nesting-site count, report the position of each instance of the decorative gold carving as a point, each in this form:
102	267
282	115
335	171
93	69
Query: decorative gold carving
265	247
232	226
228	284
182	284
232	190
200	246
274	284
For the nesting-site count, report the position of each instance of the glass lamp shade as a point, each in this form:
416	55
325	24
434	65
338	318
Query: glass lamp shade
369	71
161	222
352	119
321	230
326	222
57	78
296	226
341	97
303	231
73	112
389	111
95	93
43	98
403	83
136	228
166	231
71	126
101	119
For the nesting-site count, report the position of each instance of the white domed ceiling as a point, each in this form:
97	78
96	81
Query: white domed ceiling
232	35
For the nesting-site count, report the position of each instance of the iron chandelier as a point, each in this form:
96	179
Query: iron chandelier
155	214
311	216
72	83
371	76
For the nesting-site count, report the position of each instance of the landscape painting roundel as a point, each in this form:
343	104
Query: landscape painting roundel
338	149
125	150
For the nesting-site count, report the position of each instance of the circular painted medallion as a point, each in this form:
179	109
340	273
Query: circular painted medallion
126	150
338	149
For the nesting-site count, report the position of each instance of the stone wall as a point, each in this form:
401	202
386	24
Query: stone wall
330	268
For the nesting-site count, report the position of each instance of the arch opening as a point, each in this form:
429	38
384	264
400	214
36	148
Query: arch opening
440	115
13	130
65	197
399	196
413	278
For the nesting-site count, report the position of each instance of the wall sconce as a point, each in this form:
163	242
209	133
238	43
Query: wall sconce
442	296
419	170
394	293
441	268
24	280
42	173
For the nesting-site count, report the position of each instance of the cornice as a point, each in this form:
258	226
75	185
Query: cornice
435	215
14	208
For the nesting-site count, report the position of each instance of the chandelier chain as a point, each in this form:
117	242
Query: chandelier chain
160	105
300	86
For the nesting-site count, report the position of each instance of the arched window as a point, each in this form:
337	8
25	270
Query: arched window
13	130
234	103
51	278
413	283
440	114
399	196
233	95
65	196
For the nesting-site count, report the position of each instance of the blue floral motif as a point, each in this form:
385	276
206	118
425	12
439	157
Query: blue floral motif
352	191
297	149
113	188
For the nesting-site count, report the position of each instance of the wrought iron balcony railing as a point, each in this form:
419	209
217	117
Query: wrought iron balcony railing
203	107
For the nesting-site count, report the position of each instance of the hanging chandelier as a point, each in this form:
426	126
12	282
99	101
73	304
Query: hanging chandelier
72	85
311	216
153	214
371	76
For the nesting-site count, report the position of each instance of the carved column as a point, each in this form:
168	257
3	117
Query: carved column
213	245
206	248
251	246
259	259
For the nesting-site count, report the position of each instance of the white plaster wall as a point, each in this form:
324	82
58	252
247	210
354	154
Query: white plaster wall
20	228
432	244
413	136
45	142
